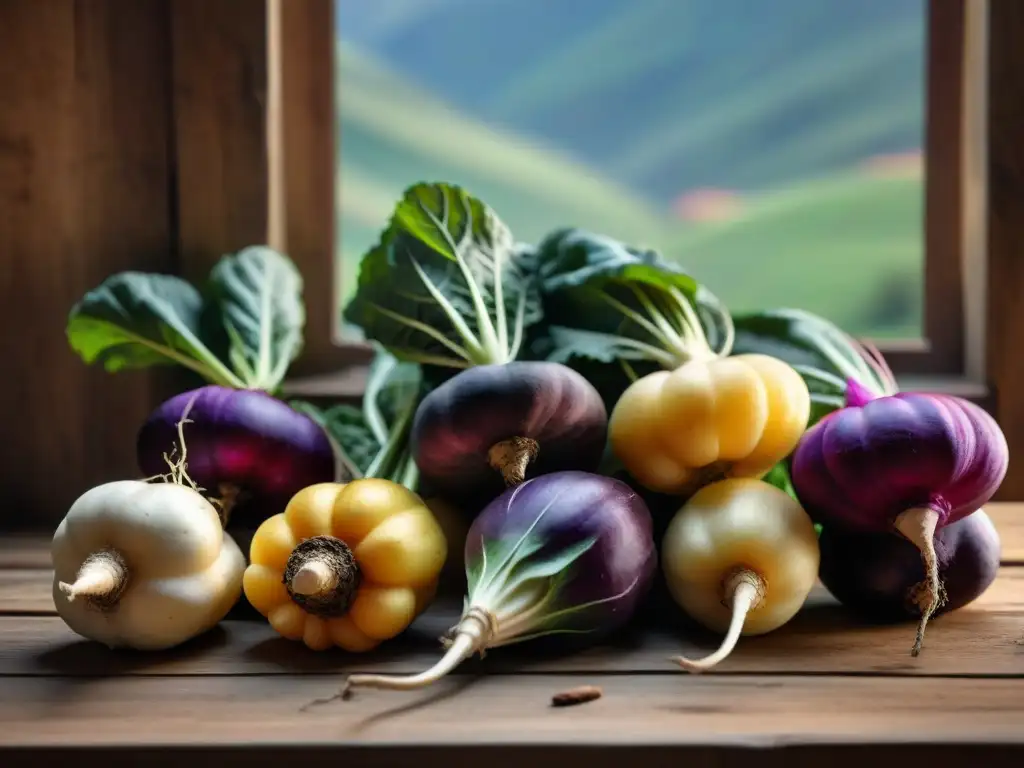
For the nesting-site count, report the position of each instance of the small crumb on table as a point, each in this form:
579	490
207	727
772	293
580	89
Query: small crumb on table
579	695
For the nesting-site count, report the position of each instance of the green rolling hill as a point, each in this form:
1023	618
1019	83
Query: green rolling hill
787	123
668	95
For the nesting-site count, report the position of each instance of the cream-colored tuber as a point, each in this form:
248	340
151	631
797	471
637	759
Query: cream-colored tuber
144	565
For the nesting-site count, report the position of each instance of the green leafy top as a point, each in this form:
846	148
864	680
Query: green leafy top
446	285
611	302
259	293
243	333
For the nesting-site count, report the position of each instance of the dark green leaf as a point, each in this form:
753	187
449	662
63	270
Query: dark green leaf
611	301
138	320
446	285
258	292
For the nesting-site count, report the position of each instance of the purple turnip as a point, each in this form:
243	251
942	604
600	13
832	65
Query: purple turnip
909	462
880	575
495	425
567	553
244	445
239	333
448	286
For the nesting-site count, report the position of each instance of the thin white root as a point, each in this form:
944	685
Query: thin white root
179	466
747	593
473	634
918	526
314	578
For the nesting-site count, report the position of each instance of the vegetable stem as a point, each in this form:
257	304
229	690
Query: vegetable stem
410	474
101	580
745	590
512	457
314	578
471	635
384	462
322	576
674	327
918	526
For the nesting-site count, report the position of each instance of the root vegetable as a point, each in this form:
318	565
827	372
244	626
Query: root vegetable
711	418
910	463
144	565
496	425
567	553
740	557
447	286
881	577
348	565
244	445
698	412
240	335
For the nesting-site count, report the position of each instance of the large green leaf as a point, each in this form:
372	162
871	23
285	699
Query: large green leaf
446	285
137	320
257	293
609	301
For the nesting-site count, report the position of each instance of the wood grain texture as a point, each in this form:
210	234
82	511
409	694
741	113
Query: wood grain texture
985	638
781	753
647	709
220	141
1006	231
84	192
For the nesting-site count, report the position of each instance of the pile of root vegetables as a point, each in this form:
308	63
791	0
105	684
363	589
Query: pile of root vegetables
570	422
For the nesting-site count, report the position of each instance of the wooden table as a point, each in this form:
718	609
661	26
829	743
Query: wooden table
823	691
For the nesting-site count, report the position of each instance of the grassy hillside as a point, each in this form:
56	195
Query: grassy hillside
393	135
846	245
667	95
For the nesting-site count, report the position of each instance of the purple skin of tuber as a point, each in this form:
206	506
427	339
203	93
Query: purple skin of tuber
492	426
881	577
910	463
242	446
565	554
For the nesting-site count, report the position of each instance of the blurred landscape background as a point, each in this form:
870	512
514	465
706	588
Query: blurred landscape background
773	148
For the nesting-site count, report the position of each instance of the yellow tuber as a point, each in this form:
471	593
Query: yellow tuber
710	418
740	558
346	564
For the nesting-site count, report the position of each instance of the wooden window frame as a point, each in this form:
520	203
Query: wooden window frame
970	266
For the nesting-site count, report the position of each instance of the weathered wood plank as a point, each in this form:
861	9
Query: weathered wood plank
659	709
220	98
1005	228
24	551
26	592
982	639
84	192
782	753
